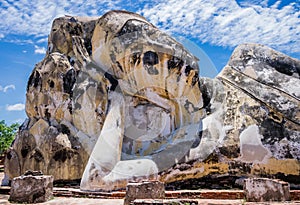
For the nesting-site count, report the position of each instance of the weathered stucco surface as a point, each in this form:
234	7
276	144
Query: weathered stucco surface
115	99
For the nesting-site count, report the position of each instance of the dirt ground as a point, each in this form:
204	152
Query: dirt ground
87	201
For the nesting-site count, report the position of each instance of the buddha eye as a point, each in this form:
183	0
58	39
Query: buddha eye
150	58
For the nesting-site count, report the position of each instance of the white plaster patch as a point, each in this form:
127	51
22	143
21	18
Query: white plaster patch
86	141
251	136
63	140
129	169
214	125
107	151
252	149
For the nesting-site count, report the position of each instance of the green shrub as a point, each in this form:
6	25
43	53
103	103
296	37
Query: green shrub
7	135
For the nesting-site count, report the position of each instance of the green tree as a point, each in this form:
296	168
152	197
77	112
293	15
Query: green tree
7	135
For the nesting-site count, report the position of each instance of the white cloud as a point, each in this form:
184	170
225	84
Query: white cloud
226	23
223	23
39	50
15	107
19	120
247	3
9	87
6	88
42	40
34	17
19	41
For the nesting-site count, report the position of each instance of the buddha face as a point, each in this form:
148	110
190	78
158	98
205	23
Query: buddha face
158	80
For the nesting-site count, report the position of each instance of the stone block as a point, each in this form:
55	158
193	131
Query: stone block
144	190
31	189
264	189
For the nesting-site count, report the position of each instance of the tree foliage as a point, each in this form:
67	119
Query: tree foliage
7	135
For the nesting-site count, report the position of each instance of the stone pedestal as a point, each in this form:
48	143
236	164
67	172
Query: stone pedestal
144	190
31	189
264	189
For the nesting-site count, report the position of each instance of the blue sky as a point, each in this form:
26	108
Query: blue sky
210	29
